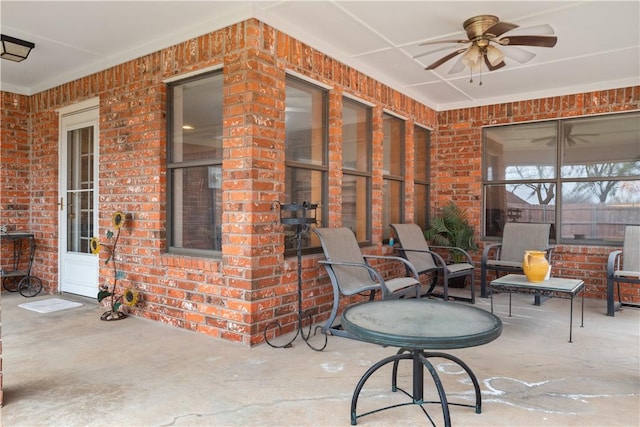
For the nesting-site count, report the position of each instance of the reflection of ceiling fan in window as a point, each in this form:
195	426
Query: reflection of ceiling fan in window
571	138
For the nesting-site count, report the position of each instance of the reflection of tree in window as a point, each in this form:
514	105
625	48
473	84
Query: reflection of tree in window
543	191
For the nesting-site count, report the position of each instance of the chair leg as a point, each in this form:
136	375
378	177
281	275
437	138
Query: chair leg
483	281
610	297
473	288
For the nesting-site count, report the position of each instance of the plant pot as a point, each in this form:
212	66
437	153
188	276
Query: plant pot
458	282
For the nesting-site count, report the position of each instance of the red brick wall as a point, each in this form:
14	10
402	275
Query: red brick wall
457	169
15	160
252	284
15	176
236	296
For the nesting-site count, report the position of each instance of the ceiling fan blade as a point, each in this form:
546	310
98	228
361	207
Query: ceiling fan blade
518	54
493	67
539	41
500	28
444	41
420	55
540	30
444	59
581	137
457	67
544	139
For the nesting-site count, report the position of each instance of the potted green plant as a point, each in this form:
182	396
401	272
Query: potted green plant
451	227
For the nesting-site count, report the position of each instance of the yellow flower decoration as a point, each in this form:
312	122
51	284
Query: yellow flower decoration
118	219
94	245
130	297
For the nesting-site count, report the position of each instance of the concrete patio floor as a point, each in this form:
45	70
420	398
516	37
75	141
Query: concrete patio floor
68	368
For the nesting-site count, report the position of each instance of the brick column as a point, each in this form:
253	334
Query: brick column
253	180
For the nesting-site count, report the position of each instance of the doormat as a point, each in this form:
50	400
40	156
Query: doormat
50	305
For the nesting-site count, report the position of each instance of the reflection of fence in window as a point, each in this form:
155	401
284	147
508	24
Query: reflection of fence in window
591	222
598	221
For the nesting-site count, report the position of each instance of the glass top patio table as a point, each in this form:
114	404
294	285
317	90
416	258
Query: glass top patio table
418	325
421	324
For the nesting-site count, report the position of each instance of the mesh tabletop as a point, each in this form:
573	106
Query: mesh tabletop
553	284
421	324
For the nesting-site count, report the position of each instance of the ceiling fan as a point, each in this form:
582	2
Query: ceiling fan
569	137
484	39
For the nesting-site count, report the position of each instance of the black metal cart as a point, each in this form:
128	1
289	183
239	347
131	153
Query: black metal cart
19	278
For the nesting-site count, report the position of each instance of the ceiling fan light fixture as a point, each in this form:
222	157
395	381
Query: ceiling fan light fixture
472	57
494	55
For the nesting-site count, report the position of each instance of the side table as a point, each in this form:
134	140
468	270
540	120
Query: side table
416	325
555	286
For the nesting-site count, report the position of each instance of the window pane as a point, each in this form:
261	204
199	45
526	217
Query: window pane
421	205
520	152
197	208
421	139
393	146
194	163
356	136
355	205
599	210
305	185
602	147
305	122
197	120
531	202
392	205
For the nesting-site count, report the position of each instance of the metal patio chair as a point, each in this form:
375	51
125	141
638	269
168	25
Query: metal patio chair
415	249
623	266
507	256
351	273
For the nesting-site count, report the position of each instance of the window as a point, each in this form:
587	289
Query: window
582	175
356	169
393	172
422	148
305	152
194	169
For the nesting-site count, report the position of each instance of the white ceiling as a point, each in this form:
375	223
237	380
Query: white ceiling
598	41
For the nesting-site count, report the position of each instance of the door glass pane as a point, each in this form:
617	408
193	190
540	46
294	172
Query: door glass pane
80	182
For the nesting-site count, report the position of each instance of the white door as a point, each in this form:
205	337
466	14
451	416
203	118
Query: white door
78	204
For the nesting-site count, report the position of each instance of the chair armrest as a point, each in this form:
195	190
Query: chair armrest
436	256
549	251
396	258
613	262
456	249
372	271
487	249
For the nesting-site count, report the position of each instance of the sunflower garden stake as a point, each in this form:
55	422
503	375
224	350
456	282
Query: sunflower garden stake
129	296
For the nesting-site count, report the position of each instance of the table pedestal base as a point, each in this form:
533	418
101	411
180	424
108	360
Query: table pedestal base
420	361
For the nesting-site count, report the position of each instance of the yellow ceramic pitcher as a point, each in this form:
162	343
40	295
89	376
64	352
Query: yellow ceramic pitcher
535	266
